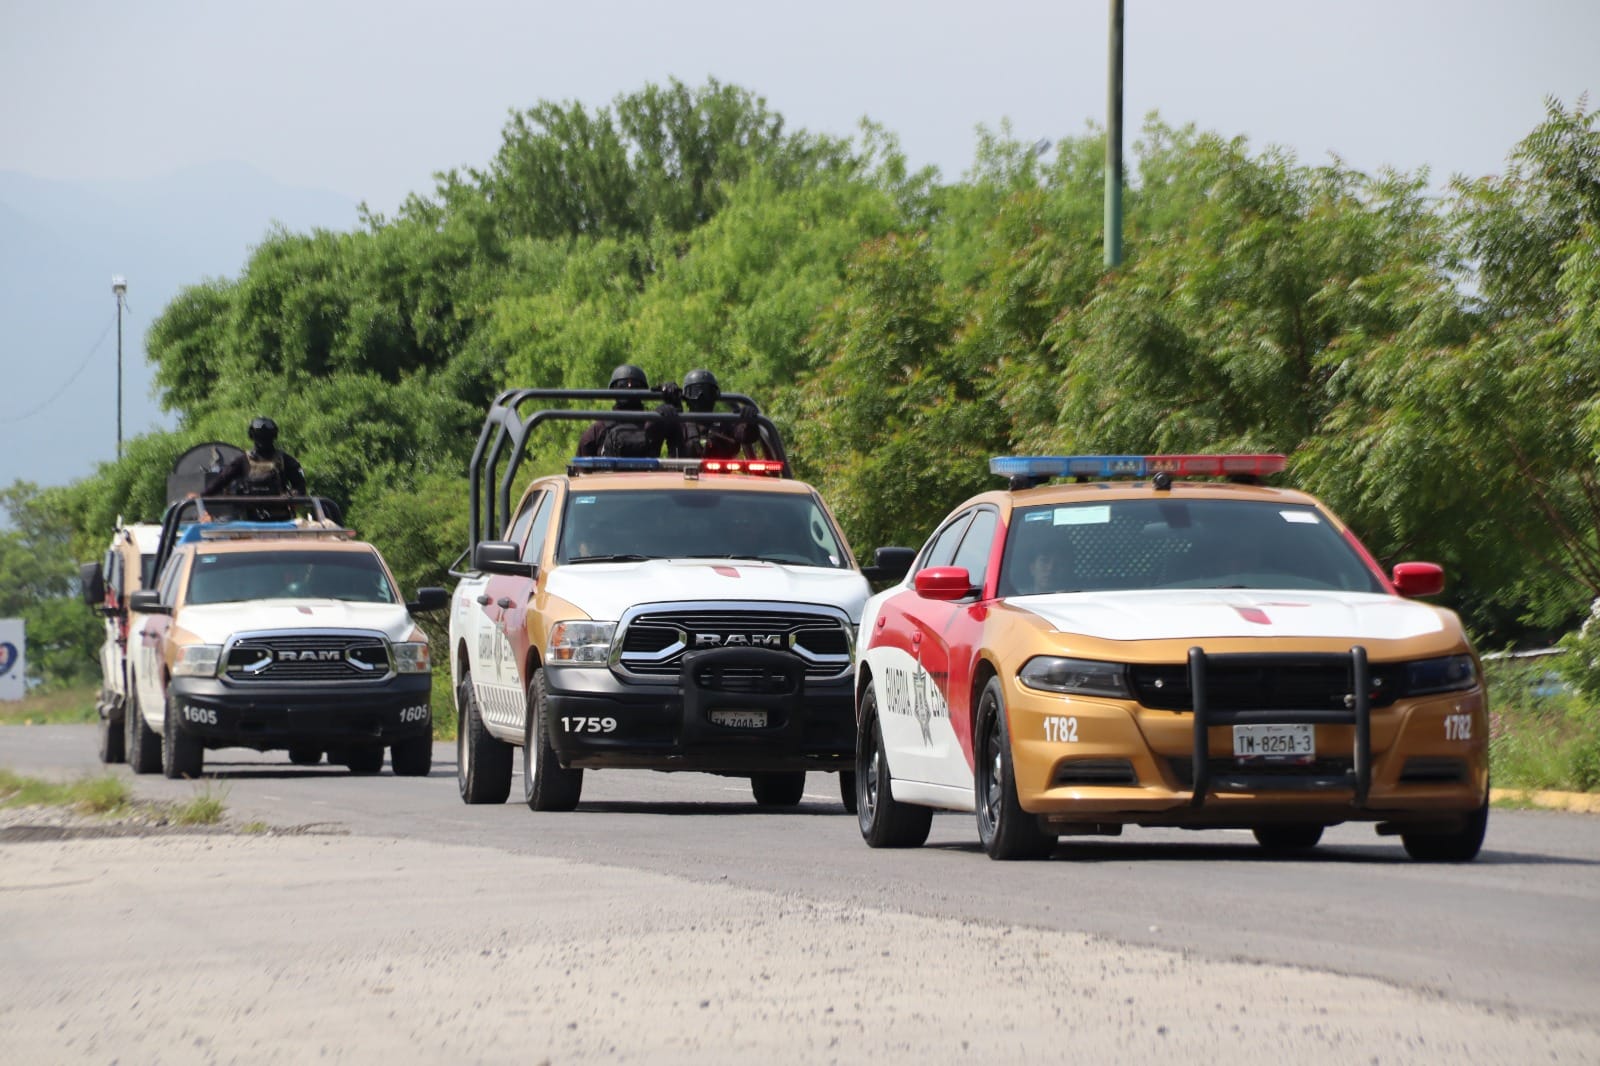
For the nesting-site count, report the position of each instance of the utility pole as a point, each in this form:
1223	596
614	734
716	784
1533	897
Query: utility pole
119	285
1114	142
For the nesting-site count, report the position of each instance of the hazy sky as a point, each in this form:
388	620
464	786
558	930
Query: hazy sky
369	99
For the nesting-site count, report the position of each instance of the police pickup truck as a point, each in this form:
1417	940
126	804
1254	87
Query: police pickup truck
275	629
693	614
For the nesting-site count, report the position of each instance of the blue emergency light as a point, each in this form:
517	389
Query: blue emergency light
590	464
612	464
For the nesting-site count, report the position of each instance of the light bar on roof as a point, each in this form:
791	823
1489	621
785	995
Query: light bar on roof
1107	467
638	464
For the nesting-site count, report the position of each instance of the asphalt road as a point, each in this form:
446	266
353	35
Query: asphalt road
1516	933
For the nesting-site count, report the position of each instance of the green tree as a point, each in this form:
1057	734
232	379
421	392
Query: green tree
39	584
893	425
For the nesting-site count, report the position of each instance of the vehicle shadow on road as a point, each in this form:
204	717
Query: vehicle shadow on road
1375	854
733	807
257	771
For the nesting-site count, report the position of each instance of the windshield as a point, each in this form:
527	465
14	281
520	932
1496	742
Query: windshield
1176	544
699	524
226	577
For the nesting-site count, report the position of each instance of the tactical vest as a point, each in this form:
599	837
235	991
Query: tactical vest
262	477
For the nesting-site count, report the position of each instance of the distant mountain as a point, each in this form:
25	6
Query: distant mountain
60	244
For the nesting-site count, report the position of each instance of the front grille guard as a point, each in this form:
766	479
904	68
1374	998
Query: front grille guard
1357	713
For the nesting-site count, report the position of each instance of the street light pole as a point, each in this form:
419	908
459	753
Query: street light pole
119	285
1114	141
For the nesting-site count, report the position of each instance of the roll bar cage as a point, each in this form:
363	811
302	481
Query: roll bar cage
506	428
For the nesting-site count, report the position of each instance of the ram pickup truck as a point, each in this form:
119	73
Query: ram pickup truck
279	634
664	614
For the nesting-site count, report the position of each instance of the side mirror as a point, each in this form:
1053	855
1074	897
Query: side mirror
430	598
500	557
148	601
943	582
889	564
1418	579
92	581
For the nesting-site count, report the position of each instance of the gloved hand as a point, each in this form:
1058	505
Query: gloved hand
671	393
746	431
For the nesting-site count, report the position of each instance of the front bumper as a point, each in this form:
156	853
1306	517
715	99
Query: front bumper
270	717
599	720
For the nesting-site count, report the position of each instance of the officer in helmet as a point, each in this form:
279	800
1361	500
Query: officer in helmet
264	470
608	437
707	440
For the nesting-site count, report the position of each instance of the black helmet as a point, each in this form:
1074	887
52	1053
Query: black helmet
628	376
264	432
700	390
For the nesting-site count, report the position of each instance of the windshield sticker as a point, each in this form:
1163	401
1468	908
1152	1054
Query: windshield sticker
1097	515
1308	518
1036	516
584	499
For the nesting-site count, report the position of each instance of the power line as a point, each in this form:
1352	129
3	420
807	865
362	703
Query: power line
53	397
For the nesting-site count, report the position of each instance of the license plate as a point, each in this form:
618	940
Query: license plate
1289	742
740	719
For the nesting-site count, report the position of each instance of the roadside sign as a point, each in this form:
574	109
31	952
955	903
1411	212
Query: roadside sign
13	660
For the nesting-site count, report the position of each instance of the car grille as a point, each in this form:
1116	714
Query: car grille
1286	683
307	657
655	641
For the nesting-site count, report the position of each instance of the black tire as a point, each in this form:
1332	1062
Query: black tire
143	746
1007	831
113	736
365	760
483	763
778	788
302	755
412	757
885	822
1461	845
546	784
847	790
1288	837
182	755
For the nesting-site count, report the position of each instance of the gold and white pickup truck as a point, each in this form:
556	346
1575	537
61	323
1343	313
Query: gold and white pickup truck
276	635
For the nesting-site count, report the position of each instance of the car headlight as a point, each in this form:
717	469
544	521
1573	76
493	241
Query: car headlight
197	660
412	658
1077	677
1452	673
580	643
